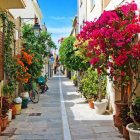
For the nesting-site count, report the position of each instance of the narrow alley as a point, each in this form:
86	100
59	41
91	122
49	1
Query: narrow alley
61	114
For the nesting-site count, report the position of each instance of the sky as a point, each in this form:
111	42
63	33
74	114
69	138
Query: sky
58	16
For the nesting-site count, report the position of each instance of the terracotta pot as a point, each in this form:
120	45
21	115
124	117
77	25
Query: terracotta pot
91	104
125	133
118	123
4	122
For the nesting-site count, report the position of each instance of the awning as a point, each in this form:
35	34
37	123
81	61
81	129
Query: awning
12	4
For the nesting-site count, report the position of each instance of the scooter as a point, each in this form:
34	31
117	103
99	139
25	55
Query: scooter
42	81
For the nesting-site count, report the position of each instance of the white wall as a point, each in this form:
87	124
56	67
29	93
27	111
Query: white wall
30	11
95	11
113	3
82	13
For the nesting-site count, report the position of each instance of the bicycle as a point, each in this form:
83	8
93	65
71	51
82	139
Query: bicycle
42	81
33	93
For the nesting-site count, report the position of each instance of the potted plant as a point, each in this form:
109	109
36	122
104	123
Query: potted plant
4	110
113	48
101	103
125	118
75	79
89	86
17	104
134	128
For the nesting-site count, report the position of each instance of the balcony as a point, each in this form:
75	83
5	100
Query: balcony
12	4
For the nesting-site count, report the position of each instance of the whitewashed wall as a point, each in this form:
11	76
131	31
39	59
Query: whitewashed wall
94	9
31	9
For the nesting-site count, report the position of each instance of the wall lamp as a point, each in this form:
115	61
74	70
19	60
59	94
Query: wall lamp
36	26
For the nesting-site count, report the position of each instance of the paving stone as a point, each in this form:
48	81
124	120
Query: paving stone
103	129
84	123
4	138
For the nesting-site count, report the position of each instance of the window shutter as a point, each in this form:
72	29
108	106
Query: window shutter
1	57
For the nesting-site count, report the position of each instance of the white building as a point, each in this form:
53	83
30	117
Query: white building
88	10
32	10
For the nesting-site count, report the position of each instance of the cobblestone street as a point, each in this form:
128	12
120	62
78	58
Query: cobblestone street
61	114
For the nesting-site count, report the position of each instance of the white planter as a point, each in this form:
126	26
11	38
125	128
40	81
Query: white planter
25	94
133	134
9	115
100	107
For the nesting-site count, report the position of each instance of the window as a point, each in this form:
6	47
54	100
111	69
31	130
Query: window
92	4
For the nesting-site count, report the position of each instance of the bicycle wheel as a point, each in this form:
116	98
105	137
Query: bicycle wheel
34	96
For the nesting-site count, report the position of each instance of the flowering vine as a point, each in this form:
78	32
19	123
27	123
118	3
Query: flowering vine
24	60
114	48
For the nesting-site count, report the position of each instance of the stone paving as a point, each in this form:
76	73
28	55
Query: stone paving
84	124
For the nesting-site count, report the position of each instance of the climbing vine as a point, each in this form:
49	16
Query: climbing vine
10	66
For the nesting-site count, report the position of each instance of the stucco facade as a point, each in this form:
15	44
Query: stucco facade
31	10
4	6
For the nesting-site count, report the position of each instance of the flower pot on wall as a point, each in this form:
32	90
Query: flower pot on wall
134	132
100	107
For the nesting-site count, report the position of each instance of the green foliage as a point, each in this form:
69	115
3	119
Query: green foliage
89	85
9	88
51	44
68	57
74	77
10	66
135	111
37	46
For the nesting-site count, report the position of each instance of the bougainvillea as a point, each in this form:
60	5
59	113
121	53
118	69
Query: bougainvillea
113	47
112	40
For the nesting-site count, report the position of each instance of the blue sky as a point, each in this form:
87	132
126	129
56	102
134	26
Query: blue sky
58	15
